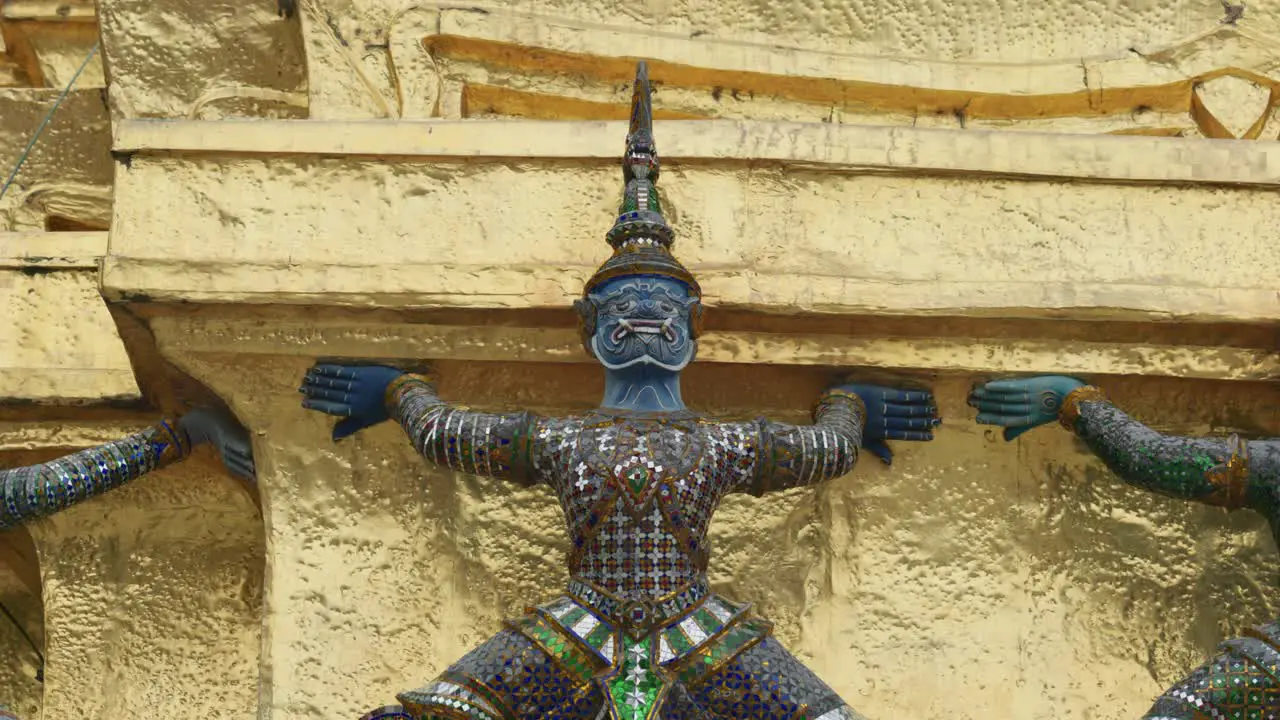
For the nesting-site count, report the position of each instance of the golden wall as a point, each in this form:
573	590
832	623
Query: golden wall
942	194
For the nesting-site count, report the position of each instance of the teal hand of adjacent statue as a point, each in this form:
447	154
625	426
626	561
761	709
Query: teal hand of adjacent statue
229	437
894	414
355	393
1022	404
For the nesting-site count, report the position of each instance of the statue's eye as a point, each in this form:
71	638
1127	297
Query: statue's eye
623	306
666	307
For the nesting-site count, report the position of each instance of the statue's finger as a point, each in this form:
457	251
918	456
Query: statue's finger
897	423
1011	433
242	469
1010	385
908	397
1008	395
1004	420
1000	407
339	372
334	394
909	435
903	410
326	406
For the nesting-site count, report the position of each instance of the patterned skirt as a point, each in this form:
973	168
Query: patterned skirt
589	656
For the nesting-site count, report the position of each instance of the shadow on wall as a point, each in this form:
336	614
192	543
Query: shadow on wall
21	625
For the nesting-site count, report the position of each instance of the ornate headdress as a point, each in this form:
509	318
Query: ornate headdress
641	238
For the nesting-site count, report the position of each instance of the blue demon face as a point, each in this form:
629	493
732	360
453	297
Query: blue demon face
643	320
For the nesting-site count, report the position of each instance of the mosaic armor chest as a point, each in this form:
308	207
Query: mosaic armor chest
638	495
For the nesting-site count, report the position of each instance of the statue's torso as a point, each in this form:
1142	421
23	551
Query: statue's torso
638	494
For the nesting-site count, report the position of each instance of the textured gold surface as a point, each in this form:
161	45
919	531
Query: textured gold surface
166	57
68	173
152	597
59	343
974	579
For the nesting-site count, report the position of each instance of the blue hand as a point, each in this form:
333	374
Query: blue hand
206	425
1022	404
894	414
356	393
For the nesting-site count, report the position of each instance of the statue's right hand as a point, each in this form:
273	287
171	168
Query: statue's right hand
356	393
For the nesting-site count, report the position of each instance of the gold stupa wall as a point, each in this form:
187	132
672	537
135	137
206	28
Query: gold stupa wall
936	192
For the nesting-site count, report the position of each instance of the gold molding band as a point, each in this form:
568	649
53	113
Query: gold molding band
1070	410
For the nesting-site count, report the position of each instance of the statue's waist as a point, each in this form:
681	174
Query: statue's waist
638	613
672	626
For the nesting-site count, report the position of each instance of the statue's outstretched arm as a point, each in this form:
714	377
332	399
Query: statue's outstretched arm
846	418
41	490
1215	471
478	443
1224	472
494	445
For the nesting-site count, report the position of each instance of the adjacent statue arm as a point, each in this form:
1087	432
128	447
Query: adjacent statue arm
846	418
1224	472
37	491
478	443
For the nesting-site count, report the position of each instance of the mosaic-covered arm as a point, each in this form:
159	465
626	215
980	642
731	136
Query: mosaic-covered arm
40	490
490	444
793	455
1223	472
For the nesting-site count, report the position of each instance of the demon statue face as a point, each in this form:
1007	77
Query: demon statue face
639	320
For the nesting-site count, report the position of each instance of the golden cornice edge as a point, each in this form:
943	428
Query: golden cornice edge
1121	159
191	335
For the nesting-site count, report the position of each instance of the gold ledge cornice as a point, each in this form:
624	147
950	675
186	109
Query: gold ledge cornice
399	286
1115	159
52	250
417	341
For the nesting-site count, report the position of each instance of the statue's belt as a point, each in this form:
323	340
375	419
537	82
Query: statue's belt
638	616
589	637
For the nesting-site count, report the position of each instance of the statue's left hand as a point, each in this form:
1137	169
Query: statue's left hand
356	393
894	414
206	425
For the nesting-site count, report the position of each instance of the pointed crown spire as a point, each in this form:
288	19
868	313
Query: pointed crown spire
641	238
